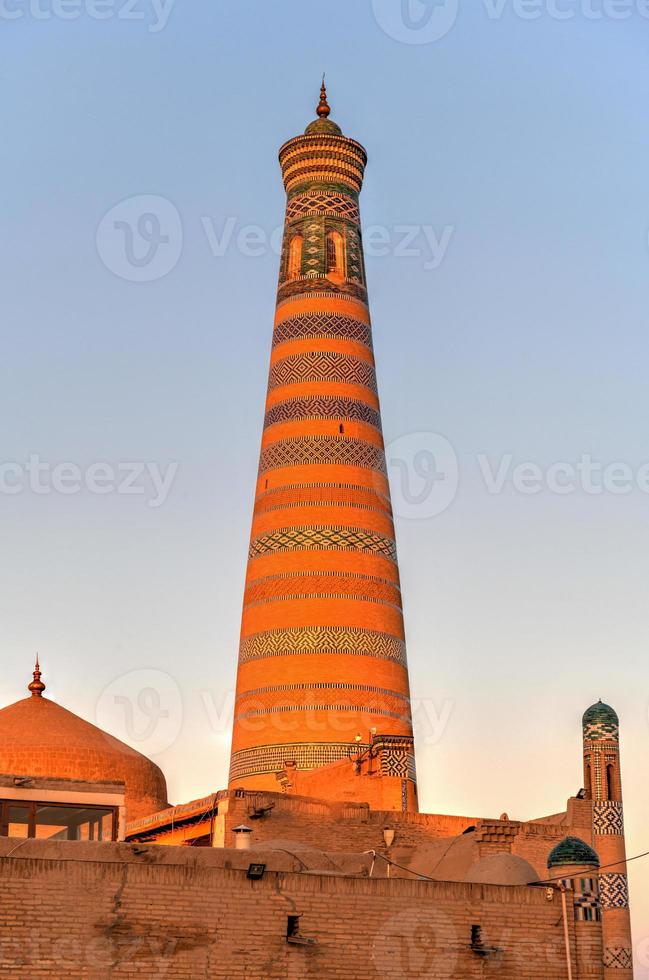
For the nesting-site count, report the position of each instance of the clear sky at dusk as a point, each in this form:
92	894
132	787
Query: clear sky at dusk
506	220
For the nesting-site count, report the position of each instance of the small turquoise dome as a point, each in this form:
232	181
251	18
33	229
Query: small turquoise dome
601	722
572	850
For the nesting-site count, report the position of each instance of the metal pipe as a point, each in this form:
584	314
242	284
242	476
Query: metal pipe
565	930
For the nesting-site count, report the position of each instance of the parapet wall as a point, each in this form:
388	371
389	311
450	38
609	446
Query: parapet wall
91	911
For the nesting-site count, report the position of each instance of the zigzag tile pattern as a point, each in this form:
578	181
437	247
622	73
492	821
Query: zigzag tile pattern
322	449
322	366
322	325
322	408
323	539
322	639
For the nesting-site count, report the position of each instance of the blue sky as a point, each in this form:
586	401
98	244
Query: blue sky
517	143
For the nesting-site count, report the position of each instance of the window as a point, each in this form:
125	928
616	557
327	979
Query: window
57	821
610	782
294	258
335	254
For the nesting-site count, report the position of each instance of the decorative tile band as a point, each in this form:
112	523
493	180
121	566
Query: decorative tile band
361	710
322	408
586	899
614	890
321	202
608	819
322	686
322	495
310	755
323	539
322	450
618	958
602	731
317	287
339	640
338	585
273	758
322	366
322	325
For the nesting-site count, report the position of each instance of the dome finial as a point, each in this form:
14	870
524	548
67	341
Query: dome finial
37	686
323	109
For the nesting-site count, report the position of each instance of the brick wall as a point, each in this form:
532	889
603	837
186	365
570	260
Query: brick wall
91	911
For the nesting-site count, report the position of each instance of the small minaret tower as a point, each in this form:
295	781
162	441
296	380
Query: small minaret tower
603	786
322	664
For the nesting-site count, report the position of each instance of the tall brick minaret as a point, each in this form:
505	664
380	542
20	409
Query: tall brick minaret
322	663
603	783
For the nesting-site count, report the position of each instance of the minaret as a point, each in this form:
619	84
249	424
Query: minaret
603	786
322	663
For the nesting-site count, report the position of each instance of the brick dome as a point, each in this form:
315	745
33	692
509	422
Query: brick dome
40	738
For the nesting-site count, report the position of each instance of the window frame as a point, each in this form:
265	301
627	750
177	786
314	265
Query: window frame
33	805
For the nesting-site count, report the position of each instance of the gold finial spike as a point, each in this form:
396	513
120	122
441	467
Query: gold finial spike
323	109
37	686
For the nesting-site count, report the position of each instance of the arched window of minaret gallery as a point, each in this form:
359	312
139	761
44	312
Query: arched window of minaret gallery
335	254
294	257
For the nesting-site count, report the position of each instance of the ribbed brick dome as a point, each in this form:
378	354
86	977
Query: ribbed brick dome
40	738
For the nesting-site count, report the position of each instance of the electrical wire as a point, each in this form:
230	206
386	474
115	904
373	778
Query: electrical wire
602	867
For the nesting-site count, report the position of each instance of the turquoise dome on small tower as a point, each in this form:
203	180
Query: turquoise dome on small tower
572	850
601	722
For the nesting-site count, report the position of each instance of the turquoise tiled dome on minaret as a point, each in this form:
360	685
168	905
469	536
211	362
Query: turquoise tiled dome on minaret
601	722
572	850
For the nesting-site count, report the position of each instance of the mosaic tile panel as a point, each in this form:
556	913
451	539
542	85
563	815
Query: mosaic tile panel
608	819
618	958
614	890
